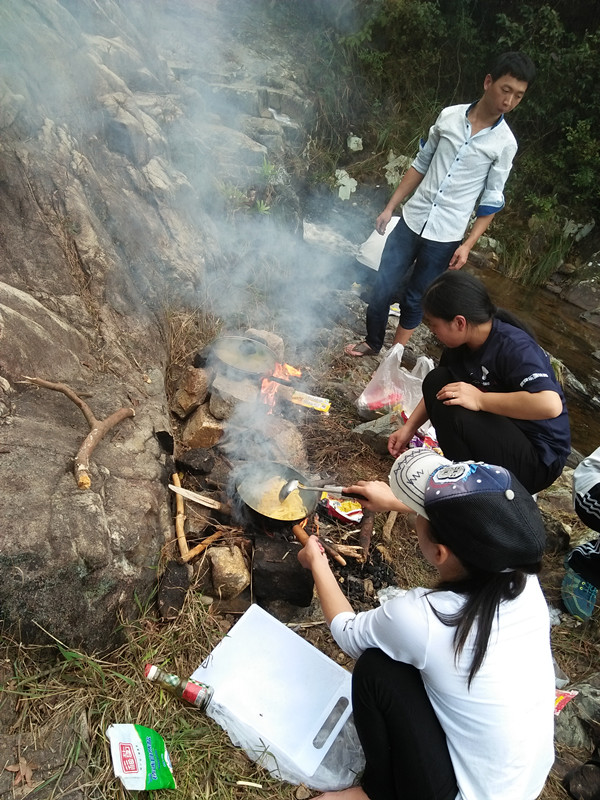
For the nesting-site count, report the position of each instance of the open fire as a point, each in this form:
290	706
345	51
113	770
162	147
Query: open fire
280	385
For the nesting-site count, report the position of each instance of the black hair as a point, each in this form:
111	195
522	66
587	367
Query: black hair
457	292
483	591
514	63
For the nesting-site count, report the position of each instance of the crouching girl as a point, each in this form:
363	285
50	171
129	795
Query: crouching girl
453	689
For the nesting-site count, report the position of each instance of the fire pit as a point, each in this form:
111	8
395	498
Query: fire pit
255	445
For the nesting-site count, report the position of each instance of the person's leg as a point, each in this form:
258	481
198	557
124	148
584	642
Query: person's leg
398	255
580	585
432	259
402	335
353	793
578	594
465	435
405	748
587	506
585	559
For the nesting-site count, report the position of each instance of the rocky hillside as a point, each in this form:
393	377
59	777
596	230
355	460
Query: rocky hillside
121	128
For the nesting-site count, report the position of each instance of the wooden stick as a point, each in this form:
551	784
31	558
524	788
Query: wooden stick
350	550
389	524
202	546
366	531
98	428
180	519
201	499
303	537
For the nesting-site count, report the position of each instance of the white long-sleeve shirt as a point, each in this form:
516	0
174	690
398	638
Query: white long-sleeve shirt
500	731
458	169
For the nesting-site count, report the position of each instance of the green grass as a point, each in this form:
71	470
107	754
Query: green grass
57	687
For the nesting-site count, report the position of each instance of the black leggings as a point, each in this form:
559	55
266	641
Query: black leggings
465	435
405	747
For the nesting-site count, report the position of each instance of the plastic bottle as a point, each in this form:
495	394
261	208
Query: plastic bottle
194	692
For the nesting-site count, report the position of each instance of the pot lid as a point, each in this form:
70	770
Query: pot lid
243	353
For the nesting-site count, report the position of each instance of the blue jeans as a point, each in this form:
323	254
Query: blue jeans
394	279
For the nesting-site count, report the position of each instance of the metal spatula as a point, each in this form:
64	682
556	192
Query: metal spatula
290	486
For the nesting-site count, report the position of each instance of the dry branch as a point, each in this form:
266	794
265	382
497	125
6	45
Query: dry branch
303	538
366	531
98	428
351	551
199	548
180	519
389	524
201	499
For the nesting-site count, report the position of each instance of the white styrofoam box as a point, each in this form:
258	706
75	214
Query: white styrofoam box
276	693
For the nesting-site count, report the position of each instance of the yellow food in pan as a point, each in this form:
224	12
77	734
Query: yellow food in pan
271	506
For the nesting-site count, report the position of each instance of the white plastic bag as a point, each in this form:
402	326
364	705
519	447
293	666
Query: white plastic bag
392	387
369	252
294	717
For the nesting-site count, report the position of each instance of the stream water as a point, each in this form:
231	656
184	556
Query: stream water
561	331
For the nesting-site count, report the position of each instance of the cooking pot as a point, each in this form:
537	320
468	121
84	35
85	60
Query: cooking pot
244	354
258	485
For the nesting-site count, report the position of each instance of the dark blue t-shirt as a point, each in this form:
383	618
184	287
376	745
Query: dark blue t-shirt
511	361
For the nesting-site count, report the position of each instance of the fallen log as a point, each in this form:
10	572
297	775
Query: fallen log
98	427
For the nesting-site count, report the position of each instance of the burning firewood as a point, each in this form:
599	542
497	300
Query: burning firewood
98	428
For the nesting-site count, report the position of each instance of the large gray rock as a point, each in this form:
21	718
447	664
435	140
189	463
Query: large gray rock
110	158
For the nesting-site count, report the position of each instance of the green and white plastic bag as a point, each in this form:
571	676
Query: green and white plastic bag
140	758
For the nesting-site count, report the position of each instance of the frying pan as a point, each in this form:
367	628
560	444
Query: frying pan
252	482
244	354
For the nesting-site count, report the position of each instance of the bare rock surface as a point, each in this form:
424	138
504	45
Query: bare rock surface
109	158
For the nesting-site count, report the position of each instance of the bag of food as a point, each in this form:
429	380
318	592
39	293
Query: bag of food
392	387
140	758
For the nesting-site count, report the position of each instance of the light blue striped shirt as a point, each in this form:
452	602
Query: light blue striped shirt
458	170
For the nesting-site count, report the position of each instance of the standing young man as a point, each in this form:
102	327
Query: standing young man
468	155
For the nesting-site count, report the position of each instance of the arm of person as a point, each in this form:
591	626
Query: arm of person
461	254
399	627
400	439
332	599
517	405
377	496
492	201
410	180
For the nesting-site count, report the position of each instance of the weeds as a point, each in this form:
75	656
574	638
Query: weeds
186	333
60	688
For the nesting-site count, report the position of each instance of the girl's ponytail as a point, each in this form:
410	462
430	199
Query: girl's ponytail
483	591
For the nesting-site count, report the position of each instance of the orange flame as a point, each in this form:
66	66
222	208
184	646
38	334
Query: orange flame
286	371
268	393
269	388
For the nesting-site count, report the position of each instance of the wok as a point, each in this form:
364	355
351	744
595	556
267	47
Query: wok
258	485
245	355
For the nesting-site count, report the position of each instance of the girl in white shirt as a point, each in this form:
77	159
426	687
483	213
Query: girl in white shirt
453	689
